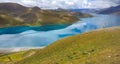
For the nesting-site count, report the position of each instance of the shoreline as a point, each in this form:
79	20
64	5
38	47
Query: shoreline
17	49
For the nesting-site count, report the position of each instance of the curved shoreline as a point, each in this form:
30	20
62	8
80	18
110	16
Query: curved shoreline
17	49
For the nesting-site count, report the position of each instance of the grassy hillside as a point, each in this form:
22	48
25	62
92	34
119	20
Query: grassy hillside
95	47
10	58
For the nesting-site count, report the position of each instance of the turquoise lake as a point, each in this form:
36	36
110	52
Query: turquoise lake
19	29
40	36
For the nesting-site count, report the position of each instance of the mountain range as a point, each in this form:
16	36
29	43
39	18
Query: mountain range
111	10
13	14
86	10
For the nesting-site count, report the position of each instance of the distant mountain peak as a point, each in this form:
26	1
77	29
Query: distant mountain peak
111	10
12	7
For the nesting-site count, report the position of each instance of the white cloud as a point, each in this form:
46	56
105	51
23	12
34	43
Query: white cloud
27	1
66	3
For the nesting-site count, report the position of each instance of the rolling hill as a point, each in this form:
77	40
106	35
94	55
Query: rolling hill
96	47
13	14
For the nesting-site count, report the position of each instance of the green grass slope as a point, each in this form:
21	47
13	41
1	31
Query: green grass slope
10	58
95	47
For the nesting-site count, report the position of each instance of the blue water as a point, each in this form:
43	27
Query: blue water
19	29
39	38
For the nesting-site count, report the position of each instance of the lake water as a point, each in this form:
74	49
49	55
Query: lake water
39	37
19	29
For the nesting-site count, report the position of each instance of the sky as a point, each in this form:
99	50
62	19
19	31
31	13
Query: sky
67	4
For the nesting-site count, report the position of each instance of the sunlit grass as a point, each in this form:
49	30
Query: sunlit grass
16	56
96	47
